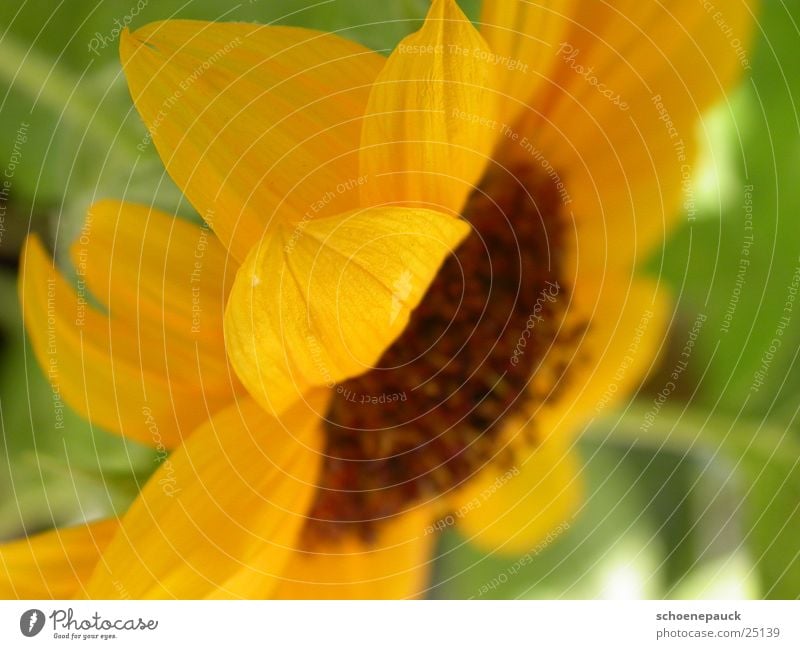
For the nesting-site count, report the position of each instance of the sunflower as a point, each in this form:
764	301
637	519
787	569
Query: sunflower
416	278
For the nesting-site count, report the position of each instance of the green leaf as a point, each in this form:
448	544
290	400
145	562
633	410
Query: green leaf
739	263
738	266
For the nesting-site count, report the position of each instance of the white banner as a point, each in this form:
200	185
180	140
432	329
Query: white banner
381	625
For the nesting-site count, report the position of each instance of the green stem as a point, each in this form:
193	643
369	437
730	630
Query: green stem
681	431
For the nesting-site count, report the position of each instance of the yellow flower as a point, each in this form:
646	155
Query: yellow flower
418	282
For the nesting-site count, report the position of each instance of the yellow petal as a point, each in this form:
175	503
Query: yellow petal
395	566
524	37
257	125
516	509
430	122
54	564
221	516
142	374
155	270
168	280
626	322
618	122
320	303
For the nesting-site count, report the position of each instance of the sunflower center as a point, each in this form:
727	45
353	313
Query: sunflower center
430	415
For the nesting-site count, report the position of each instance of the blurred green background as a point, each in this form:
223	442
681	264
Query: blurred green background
704	504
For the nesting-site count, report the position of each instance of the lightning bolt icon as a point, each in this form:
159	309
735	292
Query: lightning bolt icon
32	620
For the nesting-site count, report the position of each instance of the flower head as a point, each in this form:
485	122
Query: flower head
420	281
